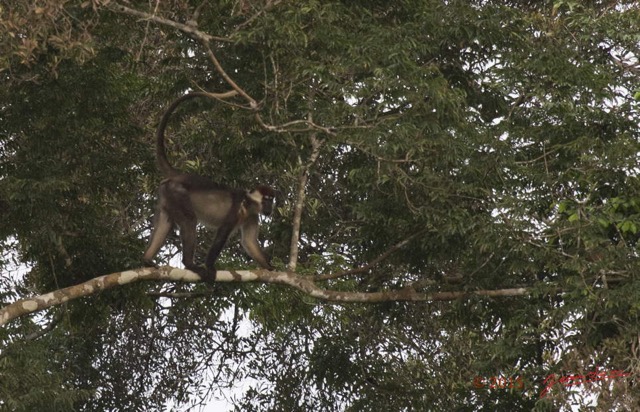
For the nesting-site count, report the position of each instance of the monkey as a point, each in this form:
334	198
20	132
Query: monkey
185	199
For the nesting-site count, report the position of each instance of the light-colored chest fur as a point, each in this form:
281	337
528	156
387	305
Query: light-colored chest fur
211	208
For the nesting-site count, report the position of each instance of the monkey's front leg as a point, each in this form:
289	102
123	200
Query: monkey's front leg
205	274
222	235
188	235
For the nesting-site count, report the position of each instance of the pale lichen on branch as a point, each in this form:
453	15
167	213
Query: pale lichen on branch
302	283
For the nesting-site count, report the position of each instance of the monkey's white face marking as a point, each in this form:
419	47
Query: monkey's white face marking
256	196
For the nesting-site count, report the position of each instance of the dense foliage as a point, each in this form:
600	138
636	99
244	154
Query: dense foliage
498	139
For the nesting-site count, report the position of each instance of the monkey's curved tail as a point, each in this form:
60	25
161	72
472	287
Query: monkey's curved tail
161	151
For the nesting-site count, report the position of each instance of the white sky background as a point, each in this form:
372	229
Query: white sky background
219	404
15	273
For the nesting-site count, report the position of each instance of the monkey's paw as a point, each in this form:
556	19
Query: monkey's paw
208	276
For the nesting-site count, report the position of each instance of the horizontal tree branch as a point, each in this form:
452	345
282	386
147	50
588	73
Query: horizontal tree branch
301	283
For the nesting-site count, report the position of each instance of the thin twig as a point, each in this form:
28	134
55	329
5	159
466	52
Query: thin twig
186	28
253	104
284	128
374	262
205	40
250	20
316	145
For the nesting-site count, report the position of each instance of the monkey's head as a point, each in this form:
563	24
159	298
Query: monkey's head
264	197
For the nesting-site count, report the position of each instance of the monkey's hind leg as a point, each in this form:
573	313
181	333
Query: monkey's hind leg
188	234
162	225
